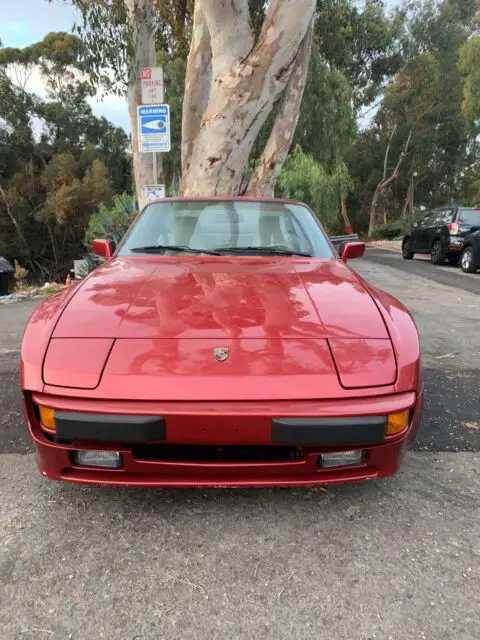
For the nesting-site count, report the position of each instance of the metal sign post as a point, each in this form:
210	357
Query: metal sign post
153	124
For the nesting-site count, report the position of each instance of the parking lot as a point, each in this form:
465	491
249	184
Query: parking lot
396	559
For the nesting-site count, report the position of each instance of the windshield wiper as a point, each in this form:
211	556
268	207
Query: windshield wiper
279	251
156	248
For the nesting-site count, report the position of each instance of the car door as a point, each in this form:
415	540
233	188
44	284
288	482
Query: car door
437	229
476	248
415	233
432	230
422	233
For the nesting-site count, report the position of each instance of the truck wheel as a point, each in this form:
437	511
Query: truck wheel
468	265
406	253
437	256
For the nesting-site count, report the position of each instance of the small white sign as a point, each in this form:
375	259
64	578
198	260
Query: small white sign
152	85
154	128
154	192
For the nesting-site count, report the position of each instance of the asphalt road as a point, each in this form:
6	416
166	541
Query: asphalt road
421	266
389	560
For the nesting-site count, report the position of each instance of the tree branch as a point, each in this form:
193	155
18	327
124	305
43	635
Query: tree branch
278	144
231	36
387	152
197	83
386	181
283	30
241	99
16	225
402	157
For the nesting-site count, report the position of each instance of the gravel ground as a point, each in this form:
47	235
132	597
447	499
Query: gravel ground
396	559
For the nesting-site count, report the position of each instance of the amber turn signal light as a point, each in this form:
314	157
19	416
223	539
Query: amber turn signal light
47	419
397	422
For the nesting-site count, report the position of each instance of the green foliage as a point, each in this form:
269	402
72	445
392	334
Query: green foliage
414	69
174	74
423	101
389	231
303	178
53	181
88	263
108	38
326	133
470	186
361	43
470	67
20	274
112	222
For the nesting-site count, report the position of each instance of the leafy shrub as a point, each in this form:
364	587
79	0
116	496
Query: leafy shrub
303	178
20	275
389	231
88	264
112	222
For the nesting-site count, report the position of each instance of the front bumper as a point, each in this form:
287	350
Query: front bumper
229	425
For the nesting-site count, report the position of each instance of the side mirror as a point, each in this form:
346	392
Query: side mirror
351	250
103	248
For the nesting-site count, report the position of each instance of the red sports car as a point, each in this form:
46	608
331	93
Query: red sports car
224	342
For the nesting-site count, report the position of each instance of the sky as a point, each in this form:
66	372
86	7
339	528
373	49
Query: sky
23	22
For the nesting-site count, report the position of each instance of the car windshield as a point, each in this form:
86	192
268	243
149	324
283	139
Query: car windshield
470	217
226	227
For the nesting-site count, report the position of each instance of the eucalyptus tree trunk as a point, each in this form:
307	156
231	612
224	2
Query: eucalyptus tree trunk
142	16
232	84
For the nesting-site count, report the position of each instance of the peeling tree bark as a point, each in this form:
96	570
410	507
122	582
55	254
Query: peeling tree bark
271	161
197	84
248	78
142	15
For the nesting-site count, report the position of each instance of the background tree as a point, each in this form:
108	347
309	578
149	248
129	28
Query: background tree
250	72
58	162
423	101
412	71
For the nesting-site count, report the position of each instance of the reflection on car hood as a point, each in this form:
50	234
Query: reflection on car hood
211	297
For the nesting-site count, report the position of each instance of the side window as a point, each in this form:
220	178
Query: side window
445	216
428	220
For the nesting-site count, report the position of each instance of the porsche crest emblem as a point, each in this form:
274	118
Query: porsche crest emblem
221	354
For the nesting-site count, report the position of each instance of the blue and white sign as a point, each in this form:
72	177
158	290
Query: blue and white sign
154	128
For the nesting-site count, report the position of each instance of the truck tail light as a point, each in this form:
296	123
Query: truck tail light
453	227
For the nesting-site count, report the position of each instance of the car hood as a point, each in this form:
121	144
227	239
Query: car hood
221	298
151	329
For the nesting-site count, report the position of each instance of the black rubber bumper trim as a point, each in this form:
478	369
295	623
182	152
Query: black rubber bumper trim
113	428
329	431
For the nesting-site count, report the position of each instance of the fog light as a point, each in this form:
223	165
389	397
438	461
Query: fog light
397	422
341	459
106	459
